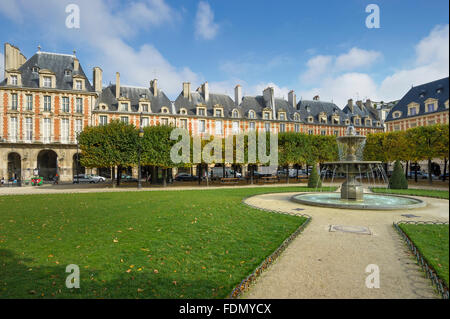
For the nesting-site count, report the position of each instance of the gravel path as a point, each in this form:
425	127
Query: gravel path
324	264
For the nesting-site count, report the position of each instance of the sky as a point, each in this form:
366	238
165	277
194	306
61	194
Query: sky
312	47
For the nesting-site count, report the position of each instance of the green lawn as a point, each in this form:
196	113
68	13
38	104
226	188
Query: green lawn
414	192
432	242
163	244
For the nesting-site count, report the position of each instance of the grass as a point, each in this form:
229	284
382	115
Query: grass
414	192
164	244
432	242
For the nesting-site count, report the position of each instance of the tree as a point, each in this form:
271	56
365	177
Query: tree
398	179
314	179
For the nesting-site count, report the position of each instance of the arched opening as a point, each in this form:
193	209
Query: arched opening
47	164
76	165
14	166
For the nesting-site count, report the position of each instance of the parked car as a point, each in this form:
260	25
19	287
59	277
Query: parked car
97	178
84	178
128	178
442	176
182	177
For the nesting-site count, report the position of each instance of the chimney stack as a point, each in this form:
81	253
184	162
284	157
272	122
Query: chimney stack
368	103
292	99
359	103
269	99
205	91
316	98
13	58
154	86
98	79
76	64
187	90
350	104
117	85
237	95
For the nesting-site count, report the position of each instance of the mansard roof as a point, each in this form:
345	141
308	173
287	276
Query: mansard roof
134	95
438	90
55	63
314	108
198	99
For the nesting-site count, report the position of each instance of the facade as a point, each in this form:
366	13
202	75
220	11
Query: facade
45	101
422	105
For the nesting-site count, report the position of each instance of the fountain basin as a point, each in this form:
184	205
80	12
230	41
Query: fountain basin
369	202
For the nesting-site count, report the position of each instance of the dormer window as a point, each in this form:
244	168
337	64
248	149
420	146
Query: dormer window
78	85
13	79
396	114
35	69
368	122
251	114
266	115
335	120
47	82
183	112
235	114
164	110
296	117
422	94
308	109
347	122
378	123
124	107
357	121
431	107
201	111
218	112
413	109
144	107
282	116
310	119
67	72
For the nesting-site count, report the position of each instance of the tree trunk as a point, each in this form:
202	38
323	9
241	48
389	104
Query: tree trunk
207	175
119	173
199	168
287	174
252	173
164	177
113	172
430	179
154	175
406	169
445	169
223	171
415	172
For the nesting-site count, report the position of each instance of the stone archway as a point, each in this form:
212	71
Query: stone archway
14	166
47	164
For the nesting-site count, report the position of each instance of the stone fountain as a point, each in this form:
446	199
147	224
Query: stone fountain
352	194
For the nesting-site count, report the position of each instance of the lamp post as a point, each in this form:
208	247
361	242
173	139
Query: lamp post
78	157
141	135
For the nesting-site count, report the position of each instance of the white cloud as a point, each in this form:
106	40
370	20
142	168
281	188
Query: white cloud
280	92
205	27
317	67
356	58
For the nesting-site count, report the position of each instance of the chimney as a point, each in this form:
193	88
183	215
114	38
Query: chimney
205	91
13	58
350	104
76	64
292	99
117	85
359	103
316	98
187	90
154	86
369	103
98	79
269	99
237	95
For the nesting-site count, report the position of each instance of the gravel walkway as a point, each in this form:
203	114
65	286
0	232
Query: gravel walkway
324	264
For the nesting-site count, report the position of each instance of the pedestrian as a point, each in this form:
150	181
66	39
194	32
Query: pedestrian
3	181
55	179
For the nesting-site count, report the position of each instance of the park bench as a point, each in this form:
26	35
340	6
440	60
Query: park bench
229	180
270	179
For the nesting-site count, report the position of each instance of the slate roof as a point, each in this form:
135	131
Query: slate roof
197	98
258	104
419	94
363	111
134	94
57	63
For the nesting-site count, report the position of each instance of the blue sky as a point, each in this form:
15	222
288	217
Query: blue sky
312	47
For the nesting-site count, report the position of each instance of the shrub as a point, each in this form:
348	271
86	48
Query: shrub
398	179
314	179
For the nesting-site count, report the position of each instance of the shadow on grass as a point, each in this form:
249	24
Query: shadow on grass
19	280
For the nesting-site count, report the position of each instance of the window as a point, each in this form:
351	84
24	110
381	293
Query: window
165	110
310	132
124	107
297	128
296	117
368	122
47	103
251	114
201	112
396	114
336	120
235	114
13	129
218	113
64	130
13	79
29	106
282	127
431	107
145	107
47	131
413	124
14	101
219	128
412	111
183	123
65	104
124	119
323	132
251	126
235	127
145	122
396	127
78	85
336	133
266	115
267	127
47	81
310	119
201	126
357	121
103	120
35	69
79	106
67	72
431	122
183	111
165	121
78	126
282	116
28	129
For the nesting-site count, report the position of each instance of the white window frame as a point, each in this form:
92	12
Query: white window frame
47	130
13	129
201	126
29	98
28	129
14	101
218	127
103	120
47	103
79	105
235	127
65	104
47	81
65	130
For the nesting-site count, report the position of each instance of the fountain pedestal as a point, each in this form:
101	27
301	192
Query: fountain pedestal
352	189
